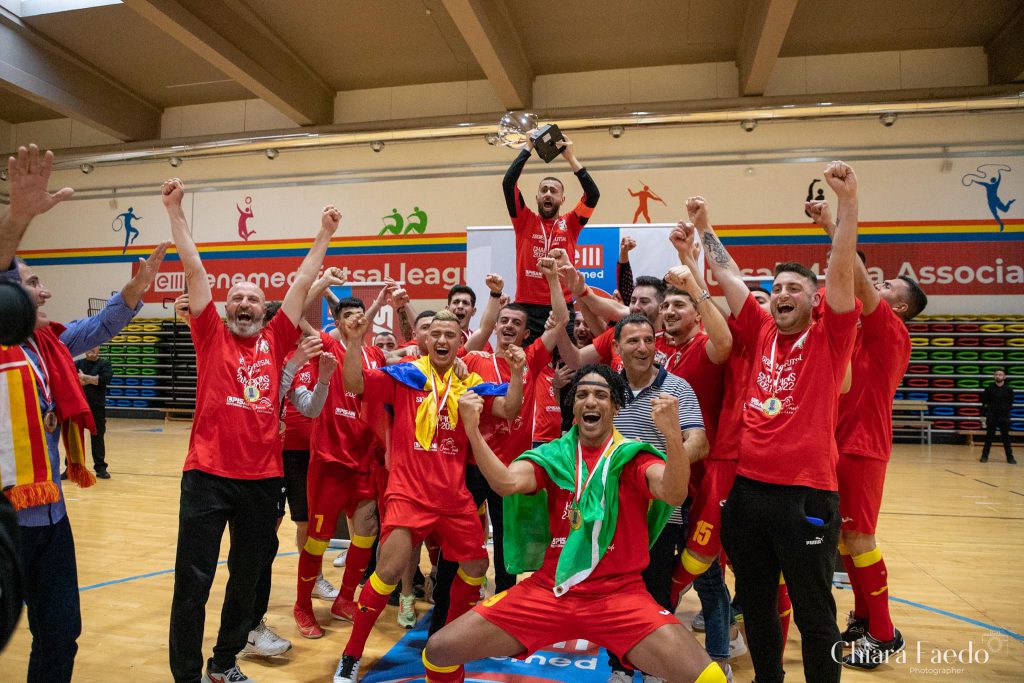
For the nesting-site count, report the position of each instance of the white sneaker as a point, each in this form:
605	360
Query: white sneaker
264	642
323	589
339	561
620	677
737	646
698	622
347	671
406	611
648	678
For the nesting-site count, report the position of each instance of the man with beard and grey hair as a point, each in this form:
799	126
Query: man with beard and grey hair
233	471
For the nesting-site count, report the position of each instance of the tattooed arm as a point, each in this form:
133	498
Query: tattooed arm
722	266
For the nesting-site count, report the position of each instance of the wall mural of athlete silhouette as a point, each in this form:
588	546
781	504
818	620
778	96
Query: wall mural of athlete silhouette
812	196
989	176
643	196
395	224
124	221
243	220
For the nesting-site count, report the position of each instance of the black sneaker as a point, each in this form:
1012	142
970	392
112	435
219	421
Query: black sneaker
232	675
103	475
856	628
868	653
984	458
347	671
1011	461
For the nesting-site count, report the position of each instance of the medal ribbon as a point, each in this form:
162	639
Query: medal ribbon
434	379
580	484
41	372
776	376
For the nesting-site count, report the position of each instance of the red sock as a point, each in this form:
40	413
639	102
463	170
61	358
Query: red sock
356	561
688	569
311	561
443	674
465	593
372	601
874	582
785	610
860	605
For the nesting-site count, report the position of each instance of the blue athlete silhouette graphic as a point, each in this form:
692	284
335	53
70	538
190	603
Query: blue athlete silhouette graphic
991	185
124	220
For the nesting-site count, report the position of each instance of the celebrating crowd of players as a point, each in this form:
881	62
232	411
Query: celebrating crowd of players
620	457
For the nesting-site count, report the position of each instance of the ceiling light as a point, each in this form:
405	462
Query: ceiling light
86	168
174	161
272	153
377	146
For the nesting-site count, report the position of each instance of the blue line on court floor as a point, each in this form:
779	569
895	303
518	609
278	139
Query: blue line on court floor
951	615
926	608
152	574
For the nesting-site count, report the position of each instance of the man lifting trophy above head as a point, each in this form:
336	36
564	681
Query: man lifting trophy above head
537	233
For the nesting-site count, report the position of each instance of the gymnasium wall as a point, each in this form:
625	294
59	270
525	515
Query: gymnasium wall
917	215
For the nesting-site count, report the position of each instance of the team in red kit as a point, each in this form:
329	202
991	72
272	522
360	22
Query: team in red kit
758	428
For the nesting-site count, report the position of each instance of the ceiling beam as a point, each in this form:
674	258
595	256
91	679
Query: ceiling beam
231	37
1005	52
39	70
488	30
764	30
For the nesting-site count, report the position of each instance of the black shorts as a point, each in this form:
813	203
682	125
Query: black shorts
296	467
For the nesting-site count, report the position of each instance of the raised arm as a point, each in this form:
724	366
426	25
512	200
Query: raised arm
199	294
354	329
28	174
669	482
148	268
506	481
689	279
863	287
591	194
725	269
514	201
840	274
608	309
559	311
382	296
623	269
509	405
489	318
295	298
322	288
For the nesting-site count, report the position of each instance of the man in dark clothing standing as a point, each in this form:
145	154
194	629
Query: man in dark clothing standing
94	373
996	402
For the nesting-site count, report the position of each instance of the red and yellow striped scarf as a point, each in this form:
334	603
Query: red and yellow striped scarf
25	472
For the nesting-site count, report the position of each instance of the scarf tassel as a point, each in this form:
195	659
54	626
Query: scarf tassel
29	495
80	474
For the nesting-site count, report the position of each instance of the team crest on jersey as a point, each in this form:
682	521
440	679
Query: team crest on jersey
660	358
264	346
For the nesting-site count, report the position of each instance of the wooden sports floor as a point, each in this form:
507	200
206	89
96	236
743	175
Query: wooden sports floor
951	530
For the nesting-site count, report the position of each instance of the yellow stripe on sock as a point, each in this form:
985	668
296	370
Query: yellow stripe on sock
867	559
880	590
693	565
712	674
363	541
472	580
314	546
378	585
843	550
435	667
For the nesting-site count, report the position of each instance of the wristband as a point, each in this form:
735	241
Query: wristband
495	295
705	295
585	293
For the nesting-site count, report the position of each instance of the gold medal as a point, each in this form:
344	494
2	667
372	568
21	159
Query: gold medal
50	421
772	406
575	518
251	393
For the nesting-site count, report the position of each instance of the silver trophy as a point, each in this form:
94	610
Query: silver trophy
514	126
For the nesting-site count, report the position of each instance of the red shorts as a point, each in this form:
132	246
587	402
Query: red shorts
536	618
459	533
704	536
331	488
860	491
